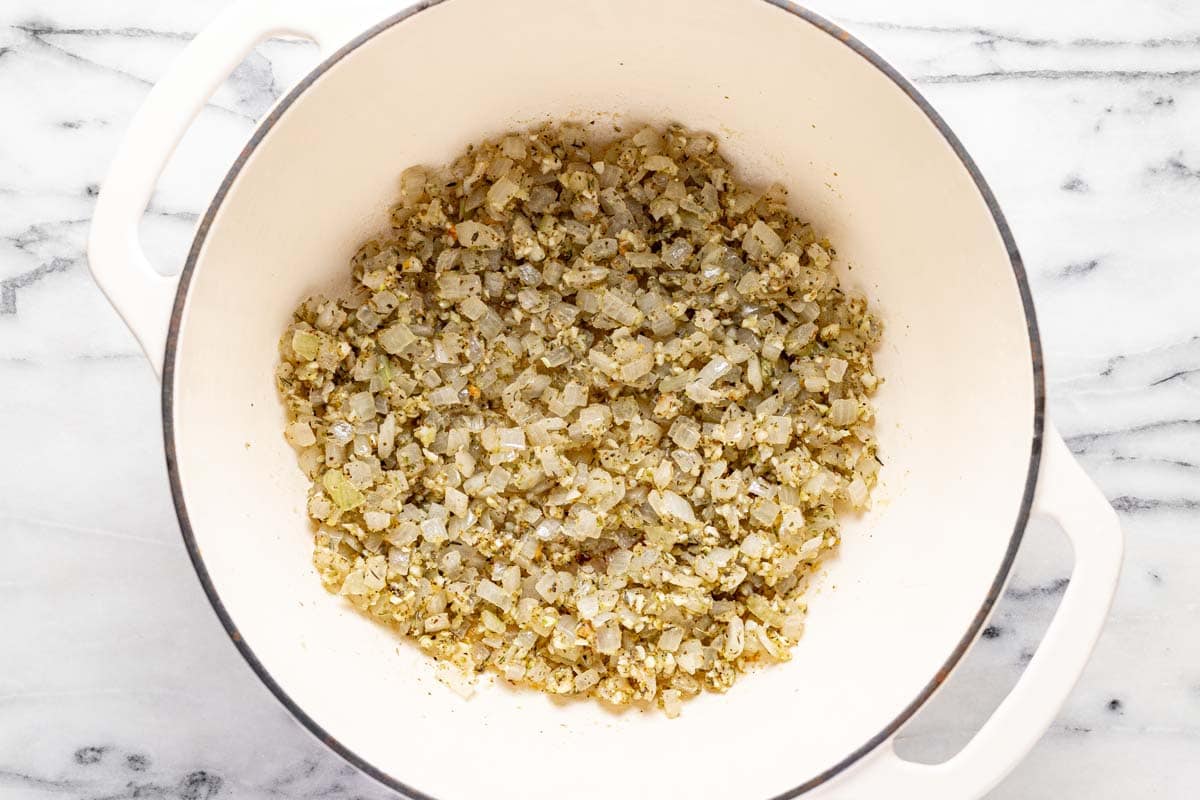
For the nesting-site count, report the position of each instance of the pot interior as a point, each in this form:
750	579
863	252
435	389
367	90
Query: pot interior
791	102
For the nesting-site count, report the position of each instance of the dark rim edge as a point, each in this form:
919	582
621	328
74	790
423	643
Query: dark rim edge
264	127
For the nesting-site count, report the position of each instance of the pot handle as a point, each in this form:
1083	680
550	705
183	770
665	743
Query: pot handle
1067	495
140	295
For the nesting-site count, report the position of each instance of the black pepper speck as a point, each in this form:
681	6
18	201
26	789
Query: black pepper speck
199	785
87	756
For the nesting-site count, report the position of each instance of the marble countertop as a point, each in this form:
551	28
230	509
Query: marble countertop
116	680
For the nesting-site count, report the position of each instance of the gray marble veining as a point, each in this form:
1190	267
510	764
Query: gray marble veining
116	680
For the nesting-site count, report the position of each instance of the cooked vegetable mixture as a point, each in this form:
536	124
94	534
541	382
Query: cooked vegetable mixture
587	416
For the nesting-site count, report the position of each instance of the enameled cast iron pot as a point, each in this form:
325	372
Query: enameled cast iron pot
969	455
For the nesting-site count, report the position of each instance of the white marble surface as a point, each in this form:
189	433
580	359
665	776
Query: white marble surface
116	680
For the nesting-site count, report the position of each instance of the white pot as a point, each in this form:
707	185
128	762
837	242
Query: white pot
960	419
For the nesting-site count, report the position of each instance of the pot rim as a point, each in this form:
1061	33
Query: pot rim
860	49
